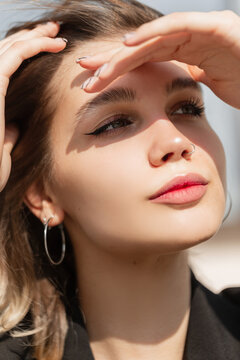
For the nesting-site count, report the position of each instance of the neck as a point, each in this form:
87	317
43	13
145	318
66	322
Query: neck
135	309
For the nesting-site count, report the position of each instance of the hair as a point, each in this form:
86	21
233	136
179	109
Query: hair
33	292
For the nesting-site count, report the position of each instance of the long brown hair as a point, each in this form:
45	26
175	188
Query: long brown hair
30	287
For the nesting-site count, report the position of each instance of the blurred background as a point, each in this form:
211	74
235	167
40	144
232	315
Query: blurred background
215	263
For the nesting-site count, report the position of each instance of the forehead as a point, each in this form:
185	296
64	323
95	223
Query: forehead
69	69
70	75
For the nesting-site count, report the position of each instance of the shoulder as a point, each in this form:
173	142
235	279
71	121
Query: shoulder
214	324
14	348
223	308
232	295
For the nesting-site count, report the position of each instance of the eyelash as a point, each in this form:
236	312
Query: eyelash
197	111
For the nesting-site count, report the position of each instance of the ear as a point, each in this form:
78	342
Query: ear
42	205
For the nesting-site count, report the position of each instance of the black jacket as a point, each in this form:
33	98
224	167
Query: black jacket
213	330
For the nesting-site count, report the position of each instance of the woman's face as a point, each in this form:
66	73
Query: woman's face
103	182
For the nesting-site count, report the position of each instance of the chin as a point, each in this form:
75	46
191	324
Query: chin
197	232
180	232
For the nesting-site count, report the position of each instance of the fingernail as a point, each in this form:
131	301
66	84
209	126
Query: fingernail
85	84
61	39
82	58
100	70
128	36
89	82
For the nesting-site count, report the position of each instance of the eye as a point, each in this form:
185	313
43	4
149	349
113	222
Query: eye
120	121
190	107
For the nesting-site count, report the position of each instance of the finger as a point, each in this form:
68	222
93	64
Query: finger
2	112
10	139
158	49
97	83
198	75
95	61
12	59
5	169
193	22
50	29
11	136
13	36
19	51
120	61
47	29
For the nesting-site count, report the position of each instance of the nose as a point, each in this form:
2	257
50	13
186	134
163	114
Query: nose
169	144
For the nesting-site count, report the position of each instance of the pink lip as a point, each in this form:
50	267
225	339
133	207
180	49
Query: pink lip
181	190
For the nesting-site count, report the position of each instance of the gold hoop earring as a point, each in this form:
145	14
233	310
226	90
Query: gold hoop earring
46	222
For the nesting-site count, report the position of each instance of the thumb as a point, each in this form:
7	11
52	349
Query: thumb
198	74
11	136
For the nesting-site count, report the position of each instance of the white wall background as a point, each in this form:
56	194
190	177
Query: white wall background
224	119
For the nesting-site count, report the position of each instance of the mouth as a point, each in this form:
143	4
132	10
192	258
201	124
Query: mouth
181	190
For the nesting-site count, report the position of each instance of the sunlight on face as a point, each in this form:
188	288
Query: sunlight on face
110	159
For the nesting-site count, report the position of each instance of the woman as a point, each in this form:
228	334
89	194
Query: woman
134	172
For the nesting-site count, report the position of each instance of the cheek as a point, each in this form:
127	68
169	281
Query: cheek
104	192
97	186
206	139
211	144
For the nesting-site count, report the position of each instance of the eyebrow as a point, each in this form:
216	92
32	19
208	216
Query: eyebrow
182	83
128	95
113	95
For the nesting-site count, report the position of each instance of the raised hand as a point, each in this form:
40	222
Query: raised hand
14	50
208	42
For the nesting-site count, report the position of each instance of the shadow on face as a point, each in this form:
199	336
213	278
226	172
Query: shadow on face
127	142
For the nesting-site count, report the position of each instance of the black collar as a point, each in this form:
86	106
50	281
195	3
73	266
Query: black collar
214	325
213	330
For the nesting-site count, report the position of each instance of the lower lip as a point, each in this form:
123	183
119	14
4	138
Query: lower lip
183	195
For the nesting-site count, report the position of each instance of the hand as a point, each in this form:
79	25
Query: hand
13	51
208	42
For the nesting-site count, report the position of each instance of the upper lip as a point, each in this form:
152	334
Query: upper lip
179	182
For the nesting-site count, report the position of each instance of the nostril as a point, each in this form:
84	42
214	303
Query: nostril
167	156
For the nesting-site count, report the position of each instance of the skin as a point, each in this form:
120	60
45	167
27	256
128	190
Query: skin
87	201
130	253
13	50
123	243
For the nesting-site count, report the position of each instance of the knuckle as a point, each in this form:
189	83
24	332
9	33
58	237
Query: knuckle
39	30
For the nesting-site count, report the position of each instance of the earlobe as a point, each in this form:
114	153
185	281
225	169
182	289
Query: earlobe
42	206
